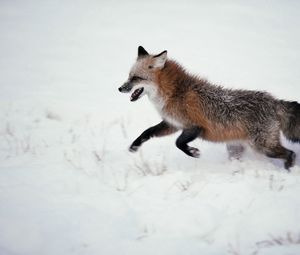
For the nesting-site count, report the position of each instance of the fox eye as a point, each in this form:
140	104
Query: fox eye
150	67
137	78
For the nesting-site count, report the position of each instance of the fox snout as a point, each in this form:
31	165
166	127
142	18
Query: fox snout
126	87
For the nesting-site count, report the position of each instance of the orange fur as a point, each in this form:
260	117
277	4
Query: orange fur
187	107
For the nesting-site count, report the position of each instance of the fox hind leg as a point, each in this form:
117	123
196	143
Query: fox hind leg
187	136
280	152
269	144
235	150
161	129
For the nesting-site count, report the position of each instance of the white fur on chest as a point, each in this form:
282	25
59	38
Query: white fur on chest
159	104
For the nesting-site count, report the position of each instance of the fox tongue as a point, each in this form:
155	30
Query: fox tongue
136	94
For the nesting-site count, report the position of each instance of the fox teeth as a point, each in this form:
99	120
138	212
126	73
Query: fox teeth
136	94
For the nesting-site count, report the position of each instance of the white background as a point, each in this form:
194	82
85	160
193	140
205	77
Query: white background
68	184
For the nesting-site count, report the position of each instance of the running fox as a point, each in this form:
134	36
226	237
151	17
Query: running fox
202	109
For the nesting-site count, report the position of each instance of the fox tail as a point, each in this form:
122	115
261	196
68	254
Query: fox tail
289	115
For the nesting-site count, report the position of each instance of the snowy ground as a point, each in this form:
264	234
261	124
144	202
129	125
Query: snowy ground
68	185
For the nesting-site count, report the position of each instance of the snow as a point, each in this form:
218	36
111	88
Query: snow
68	184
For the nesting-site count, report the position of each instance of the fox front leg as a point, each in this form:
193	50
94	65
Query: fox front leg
187	136
161	129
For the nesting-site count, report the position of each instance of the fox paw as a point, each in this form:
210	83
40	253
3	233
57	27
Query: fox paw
193	152
290	162
133	148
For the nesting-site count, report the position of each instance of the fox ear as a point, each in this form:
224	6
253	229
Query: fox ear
142	52
160	59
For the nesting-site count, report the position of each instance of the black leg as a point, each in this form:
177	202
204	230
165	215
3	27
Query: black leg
283	153
267	141
187	136
161	129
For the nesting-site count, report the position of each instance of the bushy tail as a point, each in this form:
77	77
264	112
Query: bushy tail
289	114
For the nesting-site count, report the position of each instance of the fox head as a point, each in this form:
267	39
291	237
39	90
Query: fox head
142	78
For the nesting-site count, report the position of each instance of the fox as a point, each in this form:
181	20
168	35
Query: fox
201	109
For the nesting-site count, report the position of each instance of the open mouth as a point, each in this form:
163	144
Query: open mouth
136	94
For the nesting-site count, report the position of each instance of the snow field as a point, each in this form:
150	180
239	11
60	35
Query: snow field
68	184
